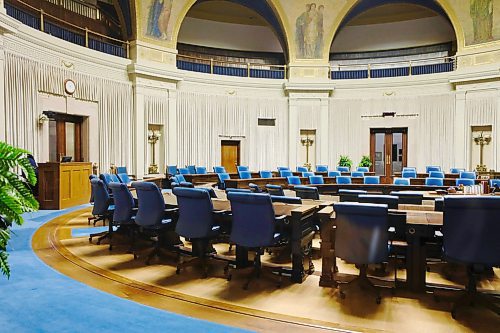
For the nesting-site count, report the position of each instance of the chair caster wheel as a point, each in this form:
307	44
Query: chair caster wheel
90	239
378	300
135	256
229	277
342	295
178	271
454	314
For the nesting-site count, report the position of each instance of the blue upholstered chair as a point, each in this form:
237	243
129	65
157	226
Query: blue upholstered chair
184	171
275	190
123	215
407	168
436	174
219	169
470	237
293	180
334	173
361	238
254	226
108	178
241	190
222	178
283	168
409	174
350	195
494	183
467	175
456	170
408	197
343	180
343	169
371	180
363	169
357	174
171	169
240	168
286	173
201	170
430	168
464	182
245	175
285	199
103	208
91	200
390	200
121	169
152	217
210	191
266	174
255	188
307	174
124	178
179	180
401	181
321	168
196	222
434	181
192	169
306	192
316	180
302	169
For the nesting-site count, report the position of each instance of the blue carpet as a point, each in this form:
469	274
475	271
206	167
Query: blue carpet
40	299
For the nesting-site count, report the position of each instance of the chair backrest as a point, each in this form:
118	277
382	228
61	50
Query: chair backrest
494	182
315	180
409	174
468	174
222	178
389	200
255	188
172	169
436	174
195	212
219	169
241	190
407	168
124	178
371	180
321	168
464	181
210	191
283	168
293	180
343	169
108	178
124	202
350	195
307	174
408	197
286	173
334	173
179	178
201	170
433	181
343	180
363	169
184	171
253	223
306	192
285	199
302	169
275	190
245	175
471	229
191	168
430	168
242	168
101	197
121	169
357	174
361	236
266	174
456	170
401	181
151	204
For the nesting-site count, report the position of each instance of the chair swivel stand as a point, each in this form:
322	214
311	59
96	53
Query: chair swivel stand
363	282
201	252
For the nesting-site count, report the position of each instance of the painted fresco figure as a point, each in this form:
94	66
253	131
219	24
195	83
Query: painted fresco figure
311	31
481	12
158	18
300	25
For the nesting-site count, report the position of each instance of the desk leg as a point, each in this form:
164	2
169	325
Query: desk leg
415	261
241	257
327	250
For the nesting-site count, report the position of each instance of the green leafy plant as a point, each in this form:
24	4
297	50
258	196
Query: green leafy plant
365	161
15	195
345	161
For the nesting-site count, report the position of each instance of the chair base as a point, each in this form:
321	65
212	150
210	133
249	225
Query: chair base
364	284
472	298
201	252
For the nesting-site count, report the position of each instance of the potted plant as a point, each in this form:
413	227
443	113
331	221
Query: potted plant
15	195
365	161
345	161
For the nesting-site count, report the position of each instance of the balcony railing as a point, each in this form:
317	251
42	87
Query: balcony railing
67	31
393	69
78	7
212	66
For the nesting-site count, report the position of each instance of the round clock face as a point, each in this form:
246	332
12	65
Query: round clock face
69	86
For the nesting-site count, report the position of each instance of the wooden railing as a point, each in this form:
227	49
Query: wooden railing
78	7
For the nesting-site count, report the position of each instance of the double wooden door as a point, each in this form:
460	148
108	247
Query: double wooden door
230	155
388	151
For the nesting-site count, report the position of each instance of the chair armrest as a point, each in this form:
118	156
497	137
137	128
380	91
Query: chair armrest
171	210
280	218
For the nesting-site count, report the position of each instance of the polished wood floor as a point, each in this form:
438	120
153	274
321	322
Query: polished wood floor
264	307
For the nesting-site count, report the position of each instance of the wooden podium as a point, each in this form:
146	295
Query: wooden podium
63	185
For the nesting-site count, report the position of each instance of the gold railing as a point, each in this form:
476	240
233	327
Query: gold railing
78	7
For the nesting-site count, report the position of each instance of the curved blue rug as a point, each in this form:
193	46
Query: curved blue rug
40	299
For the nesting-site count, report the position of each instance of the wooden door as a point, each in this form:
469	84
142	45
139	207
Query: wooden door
65	137
388	151
230	155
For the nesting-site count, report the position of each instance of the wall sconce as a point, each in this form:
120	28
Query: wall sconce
42	118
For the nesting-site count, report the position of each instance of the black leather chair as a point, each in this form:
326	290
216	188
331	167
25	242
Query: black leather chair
471	232
103	207
123	215
307	192
411	198
275	190
350	195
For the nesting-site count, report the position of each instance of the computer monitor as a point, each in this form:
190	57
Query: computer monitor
66	159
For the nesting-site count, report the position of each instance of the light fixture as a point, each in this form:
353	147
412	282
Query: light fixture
153	137
42	118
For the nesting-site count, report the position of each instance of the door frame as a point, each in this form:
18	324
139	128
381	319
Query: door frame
236	143
388	131
61	119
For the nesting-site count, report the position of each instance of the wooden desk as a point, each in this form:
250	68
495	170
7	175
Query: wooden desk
63	185
446	181
324	174
425	175
375	188
420	225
